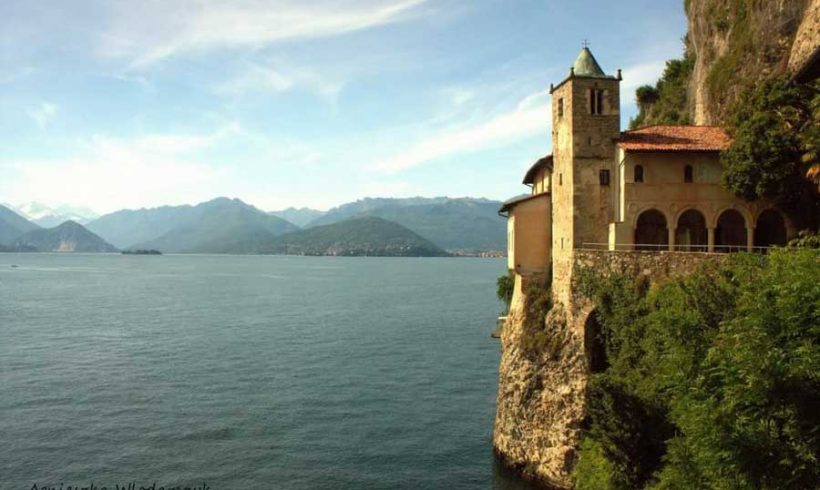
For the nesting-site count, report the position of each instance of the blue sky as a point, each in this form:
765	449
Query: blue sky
123	104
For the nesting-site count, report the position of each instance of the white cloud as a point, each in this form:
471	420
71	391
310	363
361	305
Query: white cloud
642	74
530	117
111	173
43	113
259	78
150	31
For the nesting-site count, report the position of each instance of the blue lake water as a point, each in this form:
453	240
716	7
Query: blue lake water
248	372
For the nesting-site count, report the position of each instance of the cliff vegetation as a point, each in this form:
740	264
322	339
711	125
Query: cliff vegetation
711	381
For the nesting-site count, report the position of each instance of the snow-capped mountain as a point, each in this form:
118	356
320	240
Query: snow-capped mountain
48	217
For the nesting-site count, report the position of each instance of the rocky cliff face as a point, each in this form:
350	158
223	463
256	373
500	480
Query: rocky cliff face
736	43
540	402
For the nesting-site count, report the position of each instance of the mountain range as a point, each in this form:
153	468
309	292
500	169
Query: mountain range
48	217
367	236
69	236
298	216
383	226
17	234
456	224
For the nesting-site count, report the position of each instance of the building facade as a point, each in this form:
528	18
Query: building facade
654	188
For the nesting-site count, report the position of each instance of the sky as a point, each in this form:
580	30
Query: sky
114	104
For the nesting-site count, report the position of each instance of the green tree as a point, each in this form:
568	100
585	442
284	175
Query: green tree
775	133
713	379
505	285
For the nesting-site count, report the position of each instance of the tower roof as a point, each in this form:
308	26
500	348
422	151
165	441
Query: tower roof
586	65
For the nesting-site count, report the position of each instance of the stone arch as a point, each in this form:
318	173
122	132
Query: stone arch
651	230
730	231
595	344
748	215
770	229
691	234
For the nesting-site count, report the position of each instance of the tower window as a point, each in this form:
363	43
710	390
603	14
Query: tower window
638	173
603	176
560	179
561	107
596	101
687	174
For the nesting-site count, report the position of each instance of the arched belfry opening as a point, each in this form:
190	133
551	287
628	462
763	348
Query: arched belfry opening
651	232
595	344
770	229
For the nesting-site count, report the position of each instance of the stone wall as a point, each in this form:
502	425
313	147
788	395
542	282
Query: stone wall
541	395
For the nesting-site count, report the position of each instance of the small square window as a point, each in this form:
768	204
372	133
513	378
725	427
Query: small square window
603	176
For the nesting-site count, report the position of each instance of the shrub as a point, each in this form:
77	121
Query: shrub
712	380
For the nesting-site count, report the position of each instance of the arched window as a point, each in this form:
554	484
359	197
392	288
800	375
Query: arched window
688	174
651	232
691	233
770	229
638	173
730	234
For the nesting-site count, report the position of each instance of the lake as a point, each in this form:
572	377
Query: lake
248	372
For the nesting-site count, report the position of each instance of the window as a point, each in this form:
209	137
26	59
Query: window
560	179
603	176
638	173
596	101
561	107
687	174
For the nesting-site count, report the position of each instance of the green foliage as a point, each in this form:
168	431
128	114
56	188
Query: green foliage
535	337
806	239
505	285
713	380
667	101
774	128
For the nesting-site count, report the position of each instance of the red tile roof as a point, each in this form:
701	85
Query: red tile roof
675	138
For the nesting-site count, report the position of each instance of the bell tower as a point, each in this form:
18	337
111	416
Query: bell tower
585	123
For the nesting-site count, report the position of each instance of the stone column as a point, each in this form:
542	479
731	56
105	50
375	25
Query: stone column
672	239
750	239
710	240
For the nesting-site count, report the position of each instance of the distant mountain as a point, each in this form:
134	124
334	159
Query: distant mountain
48	217
129	227
214	226
184	228
67	237
463	224
298	216
369	236
12	225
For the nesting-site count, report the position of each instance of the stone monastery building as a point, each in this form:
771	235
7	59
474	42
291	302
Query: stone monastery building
654	188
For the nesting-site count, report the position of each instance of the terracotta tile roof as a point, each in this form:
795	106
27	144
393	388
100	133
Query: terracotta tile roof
675	138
